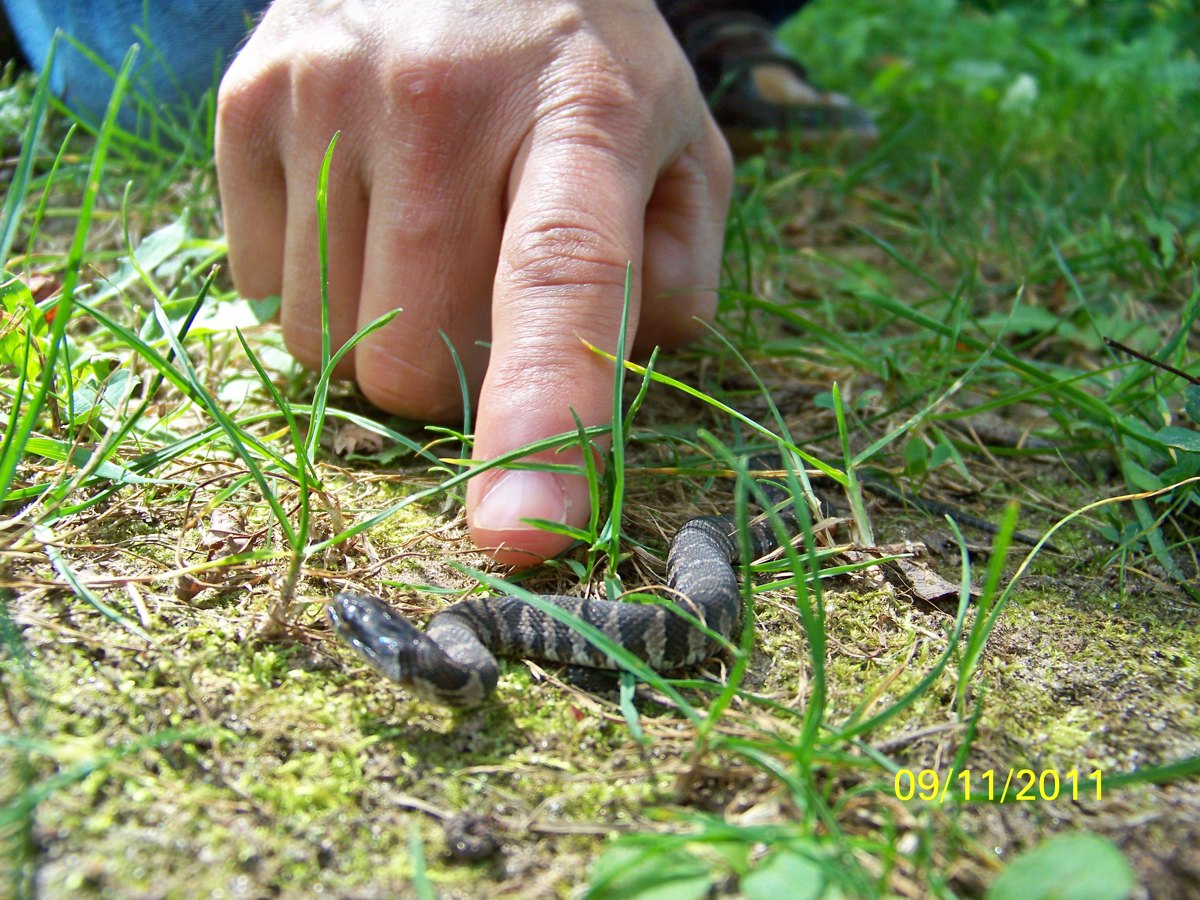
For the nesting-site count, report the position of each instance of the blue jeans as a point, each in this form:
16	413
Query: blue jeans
186	44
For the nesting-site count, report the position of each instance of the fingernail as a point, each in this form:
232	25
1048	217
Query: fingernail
521	495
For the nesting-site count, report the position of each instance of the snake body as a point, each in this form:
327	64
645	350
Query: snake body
453	662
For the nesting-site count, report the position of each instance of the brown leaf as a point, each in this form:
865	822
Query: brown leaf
226	531
353	438
916	578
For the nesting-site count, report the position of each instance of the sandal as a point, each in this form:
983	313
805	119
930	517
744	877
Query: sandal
755	86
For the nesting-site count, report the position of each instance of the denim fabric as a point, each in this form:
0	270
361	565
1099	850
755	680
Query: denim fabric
185	44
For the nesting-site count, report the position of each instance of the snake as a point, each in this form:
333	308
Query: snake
453	662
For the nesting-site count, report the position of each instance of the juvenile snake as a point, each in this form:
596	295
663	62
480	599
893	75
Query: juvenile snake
453	661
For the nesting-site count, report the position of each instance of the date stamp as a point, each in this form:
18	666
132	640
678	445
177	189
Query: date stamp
998	785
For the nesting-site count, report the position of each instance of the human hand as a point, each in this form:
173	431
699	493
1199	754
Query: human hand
500	164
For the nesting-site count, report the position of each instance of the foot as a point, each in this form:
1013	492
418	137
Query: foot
755	86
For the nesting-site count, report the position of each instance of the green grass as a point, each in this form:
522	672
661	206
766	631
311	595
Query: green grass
933	313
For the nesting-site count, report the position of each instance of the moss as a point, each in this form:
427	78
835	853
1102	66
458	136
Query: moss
311	767
215	761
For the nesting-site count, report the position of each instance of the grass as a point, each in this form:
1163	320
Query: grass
935	313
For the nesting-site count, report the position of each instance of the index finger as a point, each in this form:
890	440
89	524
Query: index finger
575	225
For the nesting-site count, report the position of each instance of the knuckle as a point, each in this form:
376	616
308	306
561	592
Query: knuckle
322	84
546	379
563	250
423	88
244	101
593	90
598	111
601	92
546	358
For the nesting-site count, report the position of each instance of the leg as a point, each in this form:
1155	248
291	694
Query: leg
185	45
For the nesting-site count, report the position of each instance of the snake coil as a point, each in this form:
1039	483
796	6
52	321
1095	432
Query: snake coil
453	661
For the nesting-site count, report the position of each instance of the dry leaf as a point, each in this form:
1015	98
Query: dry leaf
353	438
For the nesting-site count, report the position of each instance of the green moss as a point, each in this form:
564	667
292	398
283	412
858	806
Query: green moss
214	761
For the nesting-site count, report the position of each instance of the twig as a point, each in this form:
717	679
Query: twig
1117	345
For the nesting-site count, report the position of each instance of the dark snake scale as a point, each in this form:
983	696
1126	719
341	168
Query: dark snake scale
453	661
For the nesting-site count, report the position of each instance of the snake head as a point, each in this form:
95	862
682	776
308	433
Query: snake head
380	635
394	648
